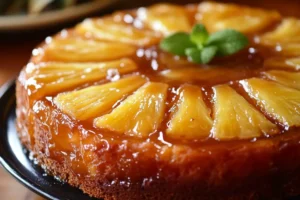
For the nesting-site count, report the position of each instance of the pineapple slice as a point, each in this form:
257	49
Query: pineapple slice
209	75
280	102
53	77
192	118
107	29
140	114
283	63
290	49
79	50
92	101
166	18
285	37
236	118
287	31
219	16
290	79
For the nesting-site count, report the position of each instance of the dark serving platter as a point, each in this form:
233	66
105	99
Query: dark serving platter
15	159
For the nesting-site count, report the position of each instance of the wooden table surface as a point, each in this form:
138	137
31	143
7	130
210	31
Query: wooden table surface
15	50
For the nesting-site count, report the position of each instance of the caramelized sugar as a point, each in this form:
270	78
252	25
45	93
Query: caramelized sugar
79	141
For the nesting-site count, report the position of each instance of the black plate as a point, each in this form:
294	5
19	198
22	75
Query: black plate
15	159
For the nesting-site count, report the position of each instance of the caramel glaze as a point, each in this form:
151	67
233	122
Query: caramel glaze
90	151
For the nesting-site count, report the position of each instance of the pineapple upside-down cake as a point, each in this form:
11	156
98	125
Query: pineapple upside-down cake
105	109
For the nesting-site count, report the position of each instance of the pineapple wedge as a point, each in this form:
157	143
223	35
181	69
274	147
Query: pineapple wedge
235	118
140	114
92	101
79	50
290	49
282	63
218	16
192	119
290	79
287	31
53	77
108	29
165	18
280	102
286	37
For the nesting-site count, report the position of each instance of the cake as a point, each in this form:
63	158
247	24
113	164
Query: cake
104	108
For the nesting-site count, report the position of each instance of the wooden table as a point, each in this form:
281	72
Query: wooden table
15	51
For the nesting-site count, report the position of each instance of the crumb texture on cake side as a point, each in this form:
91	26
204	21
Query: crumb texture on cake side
103	108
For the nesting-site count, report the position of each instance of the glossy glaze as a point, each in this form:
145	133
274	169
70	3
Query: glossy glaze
91	151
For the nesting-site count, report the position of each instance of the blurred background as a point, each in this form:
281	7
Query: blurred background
25	23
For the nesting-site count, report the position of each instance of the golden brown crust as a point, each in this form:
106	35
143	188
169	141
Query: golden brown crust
276	186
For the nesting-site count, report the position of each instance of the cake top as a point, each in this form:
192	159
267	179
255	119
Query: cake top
111	75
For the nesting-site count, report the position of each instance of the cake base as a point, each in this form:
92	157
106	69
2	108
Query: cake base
278	187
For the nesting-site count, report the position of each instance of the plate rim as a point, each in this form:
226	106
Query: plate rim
4	92
26	22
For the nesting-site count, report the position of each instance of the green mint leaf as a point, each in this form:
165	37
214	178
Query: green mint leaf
177	43
208	53
199	35
193	54
227	41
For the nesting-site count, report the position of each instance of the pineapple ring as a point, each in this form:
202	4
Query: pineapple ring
103	56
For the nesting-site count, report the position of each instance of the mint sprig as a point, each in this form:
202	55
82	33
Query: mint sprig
177	43
199	35
200	47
